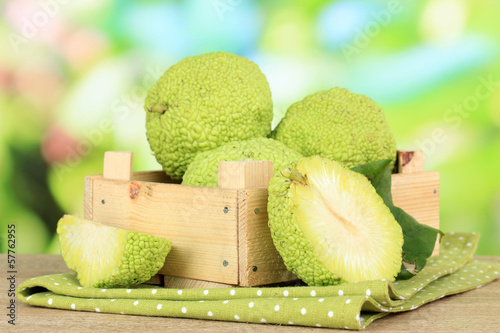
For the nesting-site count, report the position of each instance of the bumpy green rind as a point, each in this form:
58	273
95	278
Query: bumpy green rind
296	251
339	125
143	256
118	258
208	100
203	171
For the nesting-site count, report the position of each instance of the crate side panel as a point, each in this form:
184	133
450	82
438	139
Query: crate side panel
418	195
203	233
260	262
154	176
88	193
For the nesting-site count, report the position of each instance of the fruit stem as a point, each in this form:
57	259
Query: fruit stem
294	175
157	107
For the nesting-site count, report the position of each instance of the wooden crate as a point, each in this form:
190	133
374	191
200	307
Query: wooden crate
220	235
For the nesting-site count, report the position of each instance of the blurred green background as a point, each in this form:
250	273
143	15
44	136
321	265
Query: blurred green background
74	75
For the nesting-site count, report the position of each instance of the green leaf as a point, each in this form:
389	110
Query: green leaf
379	174
419	239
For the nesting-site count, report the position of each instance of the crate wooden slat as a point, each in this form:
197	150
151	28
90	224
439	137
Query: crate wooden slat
260	262
410	161
220	235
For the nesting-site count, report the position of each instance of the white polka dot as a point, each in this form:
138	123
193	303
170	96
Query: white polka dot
330	314
28	298
50	300
303	311
290	323
129	290
285	293
225	302
294	299
136	302
103	290
250	304
357	317
73	306
263	320
79	287
154	291
487	276
236	317
210	314
56	284
97	310
348	301
321	300
113	300
69	284
460	238
51	279
277	307
159	306
368	292
469	244
184	310
232	292
179	292
205	292
318	325
65	278
259	292
313	293
341	293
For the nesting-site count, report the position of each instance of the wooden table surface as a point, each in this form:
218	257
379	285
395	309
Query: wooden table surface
474	311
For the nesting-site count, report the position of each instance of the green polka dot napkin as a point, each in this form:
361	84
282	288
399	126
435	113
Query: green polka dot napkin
350	306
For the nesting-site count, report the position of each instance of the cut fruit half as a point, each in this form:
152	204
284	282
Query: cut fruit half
107	257
330	226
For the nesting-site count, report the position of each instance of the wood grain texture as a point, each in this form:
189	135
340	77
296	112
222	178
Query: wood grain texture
244	174
260	262
117	165
418	195
474	311
155	177
410	161
88	193
185	283
200	222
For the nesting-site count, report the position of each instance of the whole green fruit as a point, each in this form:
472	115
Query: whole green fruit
203	102
203	171
339	125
